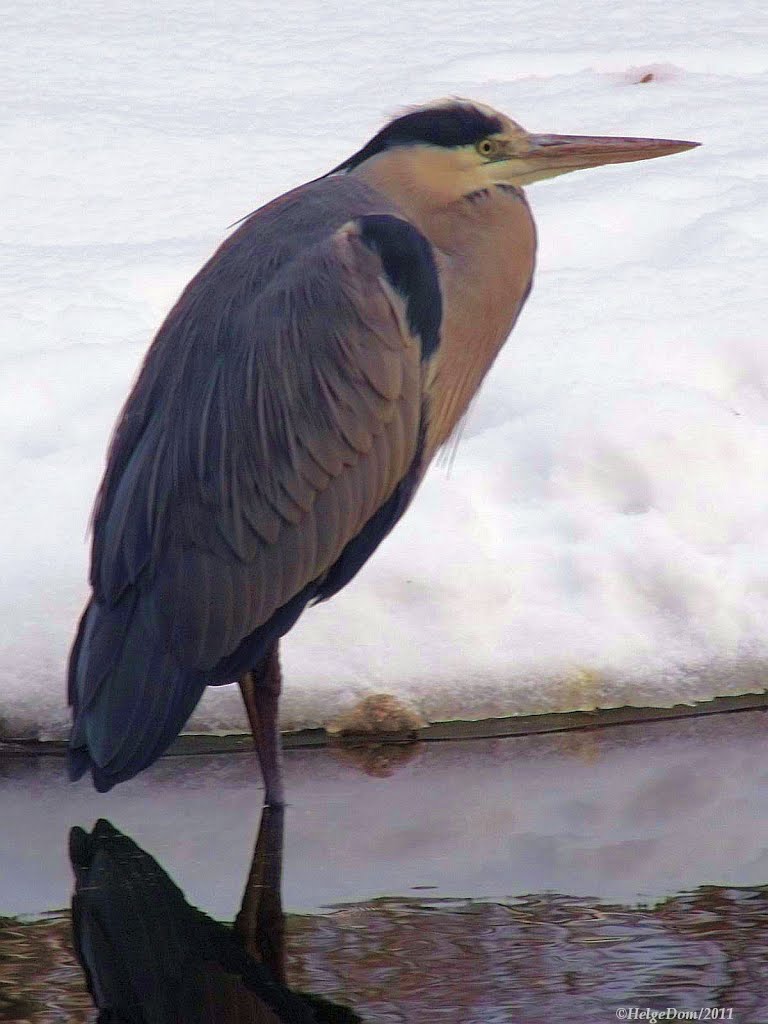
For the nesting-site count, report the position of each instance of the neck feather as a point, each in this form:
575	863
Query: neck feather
485	246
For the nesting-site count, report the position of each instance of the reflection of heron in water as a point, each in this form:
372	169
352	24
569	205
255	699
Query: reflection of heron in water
151	958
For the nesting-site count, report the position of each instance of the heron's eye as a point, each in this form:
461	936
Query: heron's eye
487	147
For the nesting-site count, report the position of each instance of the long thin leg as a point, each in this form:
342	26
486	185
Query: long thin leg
260	922
261	693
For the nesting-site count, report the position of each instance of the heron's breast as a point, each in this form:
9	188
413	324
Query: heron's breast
485	276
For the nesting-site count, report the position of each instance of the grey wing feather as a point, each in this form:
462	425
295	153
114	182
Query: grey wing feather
272	440
247	484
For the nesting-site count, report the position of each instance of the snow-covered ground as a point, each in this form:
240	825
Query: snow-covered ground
601	535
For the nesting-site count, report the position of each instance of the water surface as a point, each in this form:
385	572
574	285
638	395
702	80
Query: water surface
533	878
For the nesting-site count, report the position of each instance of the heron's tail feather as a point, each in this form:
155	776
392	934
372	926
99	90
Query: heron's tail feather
129	698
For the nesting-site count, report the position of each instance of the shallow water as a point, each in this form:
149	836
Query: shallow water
539	958
528	879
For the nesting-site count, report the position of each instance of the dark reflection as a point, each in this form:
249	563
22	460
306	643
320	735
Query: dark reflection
528	960
151	958
148	956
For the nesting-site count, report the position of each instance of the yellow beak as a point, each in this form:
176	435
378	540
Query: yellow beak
550	155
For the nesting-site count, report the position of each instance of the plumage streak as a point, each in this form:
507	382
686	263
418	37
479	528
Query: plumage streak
409	264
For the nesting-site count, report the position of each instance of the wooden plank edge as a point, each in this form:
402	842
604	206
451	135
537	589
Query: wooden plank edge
438	732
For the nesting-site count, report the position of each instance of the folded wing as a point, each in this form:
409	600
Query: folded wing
271	441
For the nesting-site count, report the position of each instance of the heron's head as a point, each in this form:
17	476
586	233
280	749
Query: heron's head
456	147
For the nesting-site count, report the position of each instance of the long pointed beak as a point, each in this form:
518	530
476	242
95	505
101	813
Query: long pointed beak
550	155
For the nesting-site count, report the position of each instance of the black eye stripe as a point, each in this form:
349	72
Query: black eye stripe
455	125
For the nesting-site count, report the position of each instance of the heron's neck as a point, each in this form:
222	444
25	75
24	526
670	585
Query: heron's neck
485	243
